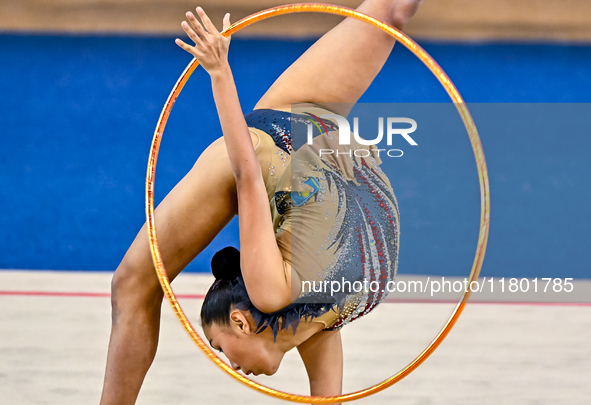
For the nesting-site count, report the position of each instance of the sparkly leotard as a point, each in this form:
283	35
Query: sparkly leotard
336	217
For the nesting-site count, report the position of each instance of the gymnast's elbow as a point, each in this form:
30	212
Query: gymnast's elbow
271	301
247	171
247	177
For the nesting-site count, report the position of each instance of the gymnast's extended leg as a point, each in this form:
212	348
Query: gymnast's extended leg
341	65
337	70
187	220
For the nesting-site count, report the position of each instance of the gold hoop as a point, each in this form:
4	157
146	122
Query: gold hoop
482	178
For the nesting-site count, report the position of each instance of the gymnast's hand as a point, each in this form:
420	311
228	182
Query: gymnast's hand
211	48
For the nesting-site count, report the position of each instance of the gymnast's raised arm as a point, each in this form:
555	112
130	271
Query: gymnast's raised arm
266	275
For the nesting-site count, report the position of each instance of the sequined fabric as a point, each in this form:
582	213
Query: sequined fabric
279	125
336	220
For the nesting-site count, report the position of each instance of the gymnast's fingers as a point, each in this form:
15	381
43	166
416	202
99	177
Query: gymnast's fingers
183	44
197	26
206	21
191	33
227	24
186	47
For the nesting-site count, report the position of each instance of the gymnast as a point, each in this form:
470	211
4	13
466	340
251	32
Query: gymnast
303	219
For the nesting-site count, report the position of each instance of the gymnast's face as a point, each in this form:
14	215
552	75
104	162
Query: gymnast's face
247	351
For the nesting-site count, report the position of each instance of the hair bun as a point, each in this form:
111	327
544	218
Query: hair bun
225	264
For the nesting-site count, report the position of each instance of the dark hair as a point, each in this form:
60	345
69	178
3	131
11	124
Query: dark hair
229	290
223	293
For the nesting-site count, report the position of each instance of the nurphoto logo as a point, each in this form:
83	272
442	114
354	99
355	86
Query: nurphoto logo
345	135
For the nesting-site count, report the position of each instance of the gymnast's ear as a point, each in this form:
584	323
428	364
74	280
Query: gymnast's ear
239	319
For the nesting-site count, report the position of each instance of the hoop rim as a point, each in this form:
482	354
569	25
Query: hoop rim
482	178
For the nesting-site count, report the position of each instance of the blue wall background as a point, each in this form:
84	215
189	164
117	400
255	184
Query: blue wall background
78	114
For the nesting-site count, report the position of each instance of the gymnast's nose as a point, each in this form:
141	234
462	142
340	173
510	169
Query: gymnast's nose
235	366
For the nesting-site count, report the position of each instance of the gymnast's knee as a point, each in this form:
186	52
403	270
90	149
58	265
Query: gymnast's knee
134	292
403	11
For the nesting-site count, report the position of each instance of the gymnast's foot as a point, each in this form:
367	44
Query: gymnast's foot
402	12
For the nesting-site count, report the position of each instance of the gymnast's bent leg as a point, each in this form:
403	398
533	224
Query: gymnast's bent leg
187	220
341	65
